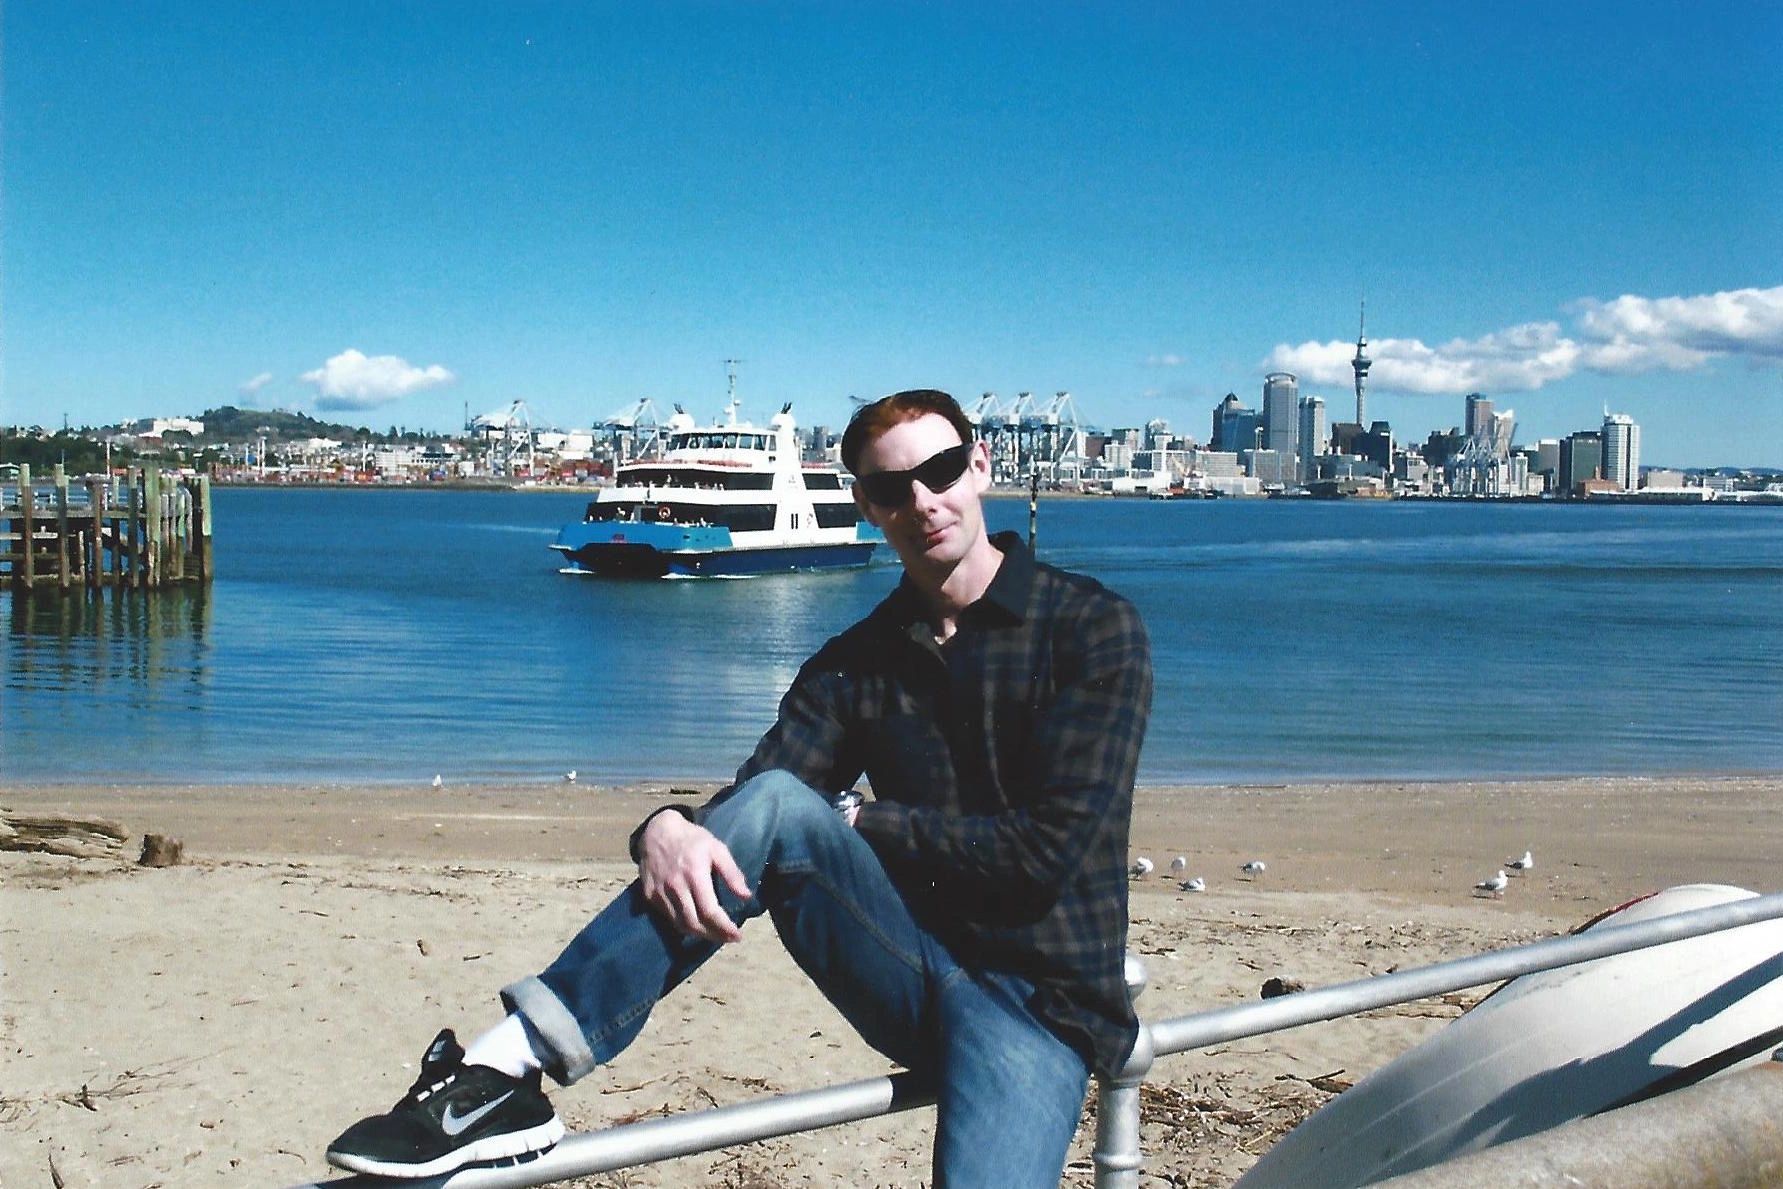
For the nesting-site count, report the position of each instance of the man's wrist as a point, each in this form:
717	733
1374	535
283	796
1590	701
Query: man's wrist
636	846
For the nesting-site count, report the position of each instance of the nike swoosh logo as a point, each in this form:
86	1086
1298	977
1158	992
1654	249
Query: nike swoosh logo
453	1124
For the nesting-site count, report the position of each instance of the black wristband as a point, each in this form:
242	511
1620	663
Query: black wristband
637	835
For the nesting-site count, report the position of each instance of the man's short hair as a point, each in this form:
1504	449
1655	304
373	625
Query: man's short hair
872	420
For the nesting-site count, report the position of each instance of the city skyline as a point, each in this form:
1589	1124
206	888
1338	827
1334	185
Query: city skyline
388	216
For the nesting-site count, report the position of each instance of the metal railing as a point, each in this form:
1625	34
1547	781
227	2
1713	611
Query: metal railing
1117	1155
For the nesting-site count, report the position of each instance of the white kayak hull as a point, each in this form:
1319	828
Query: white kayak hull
1551	1047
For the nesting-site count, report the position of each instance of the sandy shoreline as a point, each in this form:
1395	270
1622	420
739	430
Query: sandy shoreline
218	1022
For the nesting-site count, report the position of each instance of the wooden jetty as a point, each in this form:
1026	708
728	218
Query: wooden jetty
137	531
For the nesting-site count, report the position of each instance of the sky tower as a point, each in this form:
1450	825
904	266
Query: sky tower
1361	363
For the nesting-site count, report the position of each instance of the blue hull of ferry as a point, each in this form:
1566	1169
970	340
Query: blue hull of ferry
626	549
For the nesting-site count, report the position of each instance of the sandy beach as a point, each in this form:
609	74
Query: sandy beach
218	1021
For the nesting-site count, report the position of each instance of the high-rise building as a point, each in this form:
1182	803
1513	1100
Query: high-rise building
1272	468
1547	462
1621	451
1376	446
1281	412
1479	414
1311	435
1222	413
1235	427
1581	454
1360	365
1343	437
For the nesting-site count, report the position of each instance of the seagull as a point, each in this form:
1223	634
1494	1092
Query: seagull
1495	885
1254	868
1526	863
1141	866
570	776
437	780
1179	864
1196	884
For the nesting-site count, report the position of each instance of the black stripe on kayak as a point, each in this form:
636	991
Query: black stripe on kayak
1698	1071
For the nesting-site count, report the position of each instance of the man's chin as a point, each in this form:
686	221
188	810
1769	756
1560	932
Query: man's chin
929	555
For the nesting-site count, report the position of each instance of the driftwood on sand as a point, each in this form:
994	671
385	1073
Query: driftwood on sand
77	835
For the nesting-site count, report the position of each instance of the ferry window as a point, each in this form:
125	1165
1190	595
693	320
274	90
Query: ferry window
795	520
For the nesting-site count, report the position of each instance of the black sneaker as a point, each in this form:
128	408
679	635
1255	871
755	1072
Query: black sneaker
455	1114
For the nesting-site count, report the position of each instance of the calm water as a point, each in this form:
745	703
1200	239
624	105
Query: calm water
392	635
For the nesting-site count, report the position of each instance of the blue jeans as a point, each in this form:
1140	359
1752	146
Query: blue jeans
1009	1092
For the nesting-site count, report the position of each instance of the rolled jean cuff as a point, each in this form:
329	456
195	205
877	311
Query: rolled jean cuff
570	1059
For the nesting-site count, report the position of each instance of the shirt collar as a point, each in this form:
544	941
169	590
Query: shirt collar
1007	595
1014	580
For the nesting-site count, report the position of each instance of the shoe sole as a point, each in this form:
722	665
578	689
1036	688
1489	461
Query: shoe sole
491	1147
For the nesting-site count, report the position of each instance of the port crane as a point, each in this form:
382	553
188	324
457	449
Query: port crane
507	433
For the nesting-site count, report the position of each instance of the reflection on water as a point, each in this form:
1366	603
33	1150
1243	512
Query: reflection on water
691	672
125	674
85	641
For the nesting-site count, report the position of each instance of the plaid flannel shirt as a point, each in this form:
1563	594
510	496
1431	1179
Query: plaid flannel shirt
1002	767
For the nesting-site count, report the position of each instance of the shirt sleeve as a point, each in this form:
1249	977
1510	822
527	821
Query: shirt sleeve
1085	757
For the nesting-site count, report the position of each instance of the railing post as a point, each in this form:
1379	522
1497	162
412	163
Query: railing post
1117	1157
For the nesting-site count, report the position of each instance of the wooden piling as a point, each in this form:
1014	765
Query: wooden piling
152	512
120	545
93	548
182	526
63	577
24	563
202	494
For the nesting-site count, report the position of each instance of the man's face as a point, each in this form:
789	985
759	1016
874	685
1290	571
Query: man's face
926	527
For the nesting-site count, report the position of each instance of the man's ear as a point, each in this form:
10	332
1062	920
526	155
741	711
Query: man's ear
980	464
864	505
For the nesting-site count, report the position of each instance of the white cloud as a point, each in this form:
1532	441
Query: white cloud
1641	333
353	380
1621	337
250	387
1516	359
1165	361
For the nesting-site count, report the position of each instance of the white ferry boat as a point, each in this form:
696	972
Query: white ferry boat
721	500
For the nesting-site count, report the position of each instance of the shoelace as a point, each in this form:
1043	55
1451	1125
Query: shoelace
424	1086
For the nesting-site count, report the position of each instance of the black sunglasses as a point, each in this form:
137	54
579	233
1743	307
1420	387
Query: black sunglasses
938	472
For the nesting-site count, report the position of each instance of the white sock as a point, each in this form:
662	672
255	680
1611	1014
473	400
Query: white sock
506	1048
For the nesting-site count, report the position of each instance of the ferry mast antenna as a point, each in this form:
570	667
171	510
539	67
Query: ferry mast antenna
1360	364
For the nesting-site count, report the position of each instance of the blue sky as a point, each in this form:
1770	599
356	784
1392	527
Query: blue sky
387	213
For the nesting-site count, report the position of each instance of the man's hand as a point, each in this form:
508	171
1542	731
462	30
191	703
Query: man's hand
678	866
